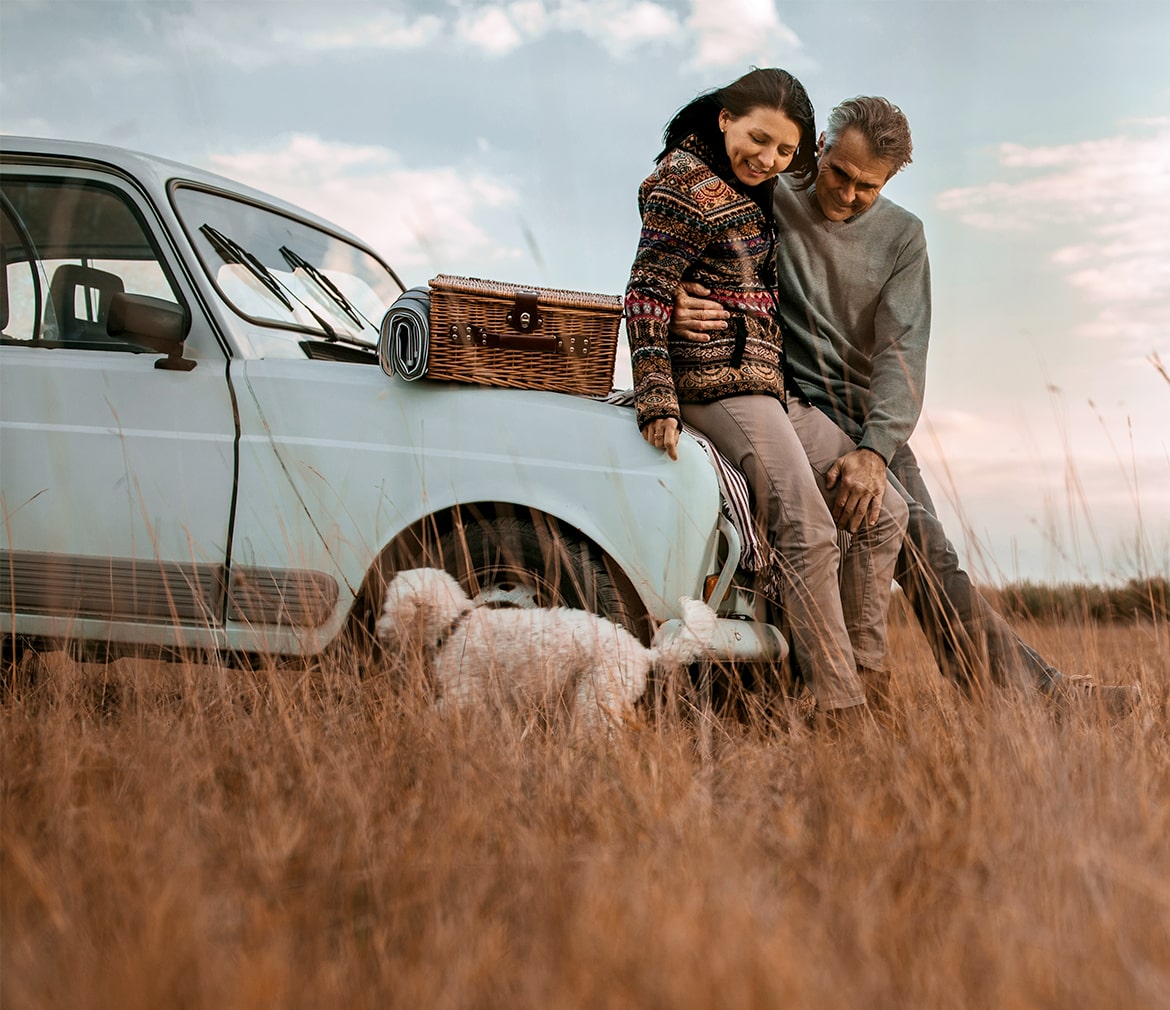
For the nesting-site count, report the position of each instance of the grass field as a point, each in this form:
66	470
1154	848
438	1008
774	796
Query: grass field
193	837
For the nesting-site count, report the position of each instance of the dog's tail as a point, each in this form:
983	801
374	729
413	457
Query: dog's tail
695	638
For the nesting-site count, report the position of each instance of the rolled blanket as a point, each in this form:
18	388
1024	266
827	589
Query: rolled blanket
405	339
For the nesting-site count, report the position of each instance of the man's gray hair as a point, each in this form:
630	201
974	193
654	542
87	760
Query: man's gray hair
880	122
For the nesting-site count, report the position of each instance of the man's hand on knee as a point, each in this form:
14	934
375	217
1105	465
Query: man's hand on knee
860	479
695	315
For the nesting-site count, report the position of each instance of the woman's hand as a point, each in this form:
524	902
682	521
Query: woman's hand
695	315
663	434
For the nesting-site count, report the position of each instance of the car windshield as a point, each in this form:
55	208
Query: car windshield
279	271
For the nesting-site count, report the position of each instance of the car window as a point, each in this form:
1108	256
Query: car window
18	286
277	270
68	248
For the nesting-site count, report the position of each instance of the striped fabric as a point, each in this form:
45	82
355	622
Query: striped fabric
737	504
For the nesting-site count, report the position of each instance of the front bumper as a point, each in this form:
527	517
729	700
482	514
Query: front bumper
734	641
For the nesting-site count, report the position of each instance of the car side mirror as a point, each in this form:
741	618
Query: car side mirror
154	323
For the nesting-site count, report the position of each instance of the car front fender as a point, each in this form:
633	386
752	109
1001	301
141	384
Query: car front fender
336	461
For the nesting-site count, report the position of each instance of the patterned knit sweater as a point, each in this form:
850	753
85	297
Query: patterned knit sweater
700	223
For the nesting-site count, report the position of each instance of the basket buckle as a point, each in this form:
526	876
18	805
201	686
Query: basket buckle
524	315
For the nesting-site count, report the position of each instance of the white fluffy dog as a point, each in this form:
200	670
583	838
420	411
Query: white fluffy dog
482	654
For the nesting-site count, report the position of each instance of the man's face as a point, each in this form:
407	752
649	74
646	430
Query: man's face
849	177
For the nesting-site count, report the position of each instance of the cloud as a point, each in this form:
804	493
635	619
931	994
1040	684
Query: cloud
490	29
256	36
1112	195
386	31
30	126
622	27
415	217
1115	181
1004	488
250	37
738	32
618	26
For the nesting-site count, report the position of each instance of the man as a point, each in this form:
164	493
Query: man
854	297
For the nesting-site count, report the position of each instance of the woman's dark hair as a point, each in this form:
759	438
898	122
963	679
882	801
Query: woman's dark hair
769	88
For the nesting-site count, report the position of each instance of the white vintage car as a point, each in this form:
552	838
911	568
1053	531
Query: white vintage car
199	450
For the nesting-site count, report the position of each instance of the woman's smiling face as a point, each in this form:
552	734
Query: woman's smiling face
760	143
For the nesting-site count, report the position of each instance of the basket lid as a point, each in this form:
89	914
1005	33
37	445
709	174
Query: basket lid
544	296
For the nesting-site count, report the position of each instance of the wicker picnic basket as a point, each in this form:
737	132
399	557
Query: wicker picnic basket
501	334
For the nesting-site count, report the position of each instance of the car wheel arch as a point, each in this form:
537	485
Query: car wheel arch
421	544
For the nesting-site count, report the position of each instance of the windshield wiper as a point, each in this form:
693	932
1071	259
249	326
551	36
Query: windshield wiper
231	251
297	261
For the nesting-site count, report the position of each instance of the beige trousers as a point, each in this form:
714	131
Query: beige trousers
836	603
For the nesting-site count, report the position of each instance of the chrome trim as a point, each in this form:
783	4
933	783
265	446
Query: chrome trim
734	641
118	589
281	596
161	592
731	565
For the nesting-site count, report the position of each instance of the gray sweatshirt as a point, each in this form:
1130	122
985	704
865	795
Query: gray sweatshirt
855	302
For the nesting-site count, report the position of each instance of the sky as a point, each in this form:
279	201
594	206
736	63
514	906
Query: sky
507	140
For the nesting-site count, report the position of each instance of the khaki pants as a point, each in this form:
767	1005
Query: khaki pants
836	605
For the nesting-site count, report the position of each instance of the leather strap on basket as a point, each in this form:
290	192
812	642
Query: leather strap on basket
470	335
525	316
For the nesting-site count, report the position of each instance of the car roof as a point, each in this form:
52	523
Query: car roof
156	173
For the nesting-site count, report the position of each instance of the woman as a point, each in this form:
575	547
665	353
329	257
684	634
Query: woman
707	217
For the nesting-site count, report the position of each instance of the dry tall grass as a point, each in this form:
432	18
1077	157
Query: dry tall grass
183	836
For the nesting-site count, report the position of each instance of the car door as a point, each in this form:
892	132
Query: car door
116	476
